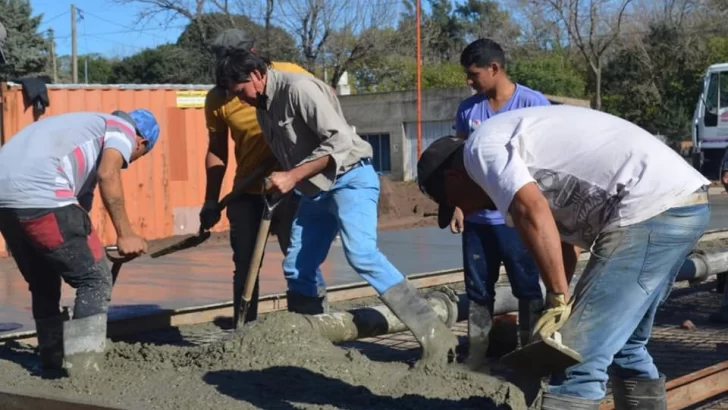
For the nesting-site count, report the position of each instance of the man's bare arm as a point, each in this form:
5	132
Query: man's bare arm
112	190
535	224
216	164
311	168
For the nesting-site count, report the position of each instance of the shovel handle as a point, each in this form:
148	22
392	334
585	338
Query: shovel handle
256	260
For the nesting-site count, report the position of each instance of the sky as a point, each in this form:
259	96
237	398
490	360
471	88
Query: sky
103	27
106	27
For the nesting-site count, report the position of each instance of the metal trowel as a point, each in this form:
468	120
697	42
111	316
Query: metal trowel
542	357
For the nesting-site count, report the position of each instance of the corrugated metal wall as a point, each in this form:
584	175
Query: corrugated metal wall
431	131
164	189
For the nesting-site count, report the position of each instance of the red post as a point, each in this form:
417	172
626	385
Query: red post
419	81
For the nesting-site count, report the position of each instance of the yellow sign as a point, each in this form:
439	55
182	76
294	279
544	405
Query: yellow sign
191	98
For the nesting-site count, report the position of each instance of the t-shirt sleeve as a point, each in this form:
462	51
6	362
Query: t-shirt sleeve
214	100
493	163
121	137
535	99
461	124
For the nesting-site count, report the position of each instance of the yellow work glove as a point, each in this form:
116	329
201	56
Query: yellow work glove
554	315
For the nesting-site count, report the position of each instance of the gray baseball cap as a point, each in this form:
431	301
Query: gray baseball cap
232	39
3	38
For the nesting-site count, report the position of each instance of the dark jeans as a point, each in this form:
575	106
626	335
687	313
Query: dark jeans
484	248
53	244
244	215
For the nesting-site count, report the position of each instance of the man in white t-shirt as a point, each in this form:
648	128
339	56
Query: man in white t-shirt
576	176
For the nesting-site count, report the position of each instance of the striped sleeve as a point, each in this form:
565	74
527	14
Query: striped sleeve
121	137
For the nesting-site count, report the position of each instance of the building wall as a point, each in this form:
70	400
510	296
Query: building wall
395	113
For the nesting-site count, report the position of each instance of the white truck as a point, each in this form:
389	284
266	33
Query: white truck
710	122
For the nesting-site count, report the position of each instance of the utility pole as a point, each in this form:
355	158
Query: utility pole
74	54
52	39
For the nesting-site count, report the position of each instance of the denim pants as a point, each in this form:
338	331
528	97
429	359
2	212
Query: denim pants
484	248
629	275
50	245
245	215
350	206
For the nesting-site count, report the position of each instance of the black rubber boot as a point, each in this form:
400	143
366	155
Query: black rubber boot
436	339
480	323
560	402
50	342
528	313
307	305
639	393
84	342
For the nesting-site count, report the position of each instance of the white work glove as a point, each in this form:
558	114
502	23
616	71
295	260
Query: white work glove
556	312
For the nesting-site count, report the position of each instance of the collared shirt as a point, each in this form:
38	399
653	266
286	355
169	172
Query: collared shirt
223	113
302	121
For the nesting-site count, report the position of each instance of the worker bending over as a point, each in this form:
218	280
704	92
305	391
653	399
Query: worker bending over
48	173
575	176
225	115
324	159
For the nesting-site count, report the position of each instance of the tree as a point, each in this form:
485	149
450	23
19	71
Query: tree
485	18
100	68
26	49
592	26
337	32
166	64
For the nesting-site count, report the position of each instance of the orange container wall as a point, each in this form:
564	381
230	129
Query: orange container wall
164	189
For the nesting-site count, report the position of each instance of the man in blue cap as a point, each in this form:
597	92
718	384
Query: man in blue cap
48	173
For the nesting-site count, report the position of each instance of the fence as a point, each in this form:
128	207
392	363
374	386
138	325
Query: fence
164	189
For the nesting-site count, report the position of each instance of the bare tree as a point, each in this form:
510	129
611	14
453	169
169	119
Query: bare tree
190	10
336	32
592	26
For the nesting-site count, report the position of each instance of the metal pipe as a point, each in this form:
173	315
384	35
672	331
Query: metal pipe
451	308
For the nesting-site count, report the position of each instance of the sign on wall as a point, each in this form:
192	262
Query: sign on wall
191	98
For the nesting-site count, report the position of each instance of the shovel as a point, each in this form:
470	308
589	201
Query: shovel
543	357
256	261
112	252
203	234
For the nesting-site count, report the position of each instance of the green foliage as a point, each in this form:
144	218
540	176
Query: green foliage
26	50
550	73
166	64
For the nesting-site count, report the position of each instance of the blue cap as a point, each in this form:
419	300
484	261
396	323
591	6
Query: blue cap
146	125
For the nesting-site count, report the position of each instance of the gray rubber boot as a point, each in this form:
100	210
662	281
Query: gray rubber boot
84	342
639	393
559	402
307	305
480	322
528	313
50	342
432	334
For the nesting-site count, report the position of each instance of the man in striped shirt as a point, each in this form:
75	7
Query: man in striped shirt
48	173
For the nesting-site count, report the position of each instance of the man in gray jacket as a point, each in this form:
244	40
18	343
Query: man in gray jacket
329	164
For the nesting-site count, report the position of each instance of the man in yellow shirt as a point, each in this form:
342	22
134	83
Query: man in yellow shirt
225	115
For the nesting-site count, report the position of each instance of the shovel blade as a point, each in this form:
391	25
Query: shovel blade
542	358
189	242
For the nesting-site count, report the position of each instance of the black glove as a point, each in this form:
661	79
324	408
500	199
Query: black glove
209	214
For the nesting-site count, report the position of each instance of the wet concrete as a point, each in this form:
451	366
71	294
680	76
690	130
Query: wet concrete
204	275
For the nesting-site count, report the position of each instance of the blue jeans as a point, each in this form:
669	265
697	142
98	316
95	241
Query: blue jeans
629	275
484	248
351	207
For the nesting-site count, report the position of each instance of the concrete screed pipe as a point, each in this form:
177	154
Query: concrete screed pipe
451	308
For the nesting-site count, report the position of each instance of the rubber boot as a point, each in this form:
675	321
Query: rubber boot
436	340
480	322
307	305
528	313
560	402
84	342
50	342
639	393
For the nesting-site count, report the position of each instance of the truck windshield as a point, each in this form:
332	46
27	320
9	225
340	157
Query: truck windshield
716	99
